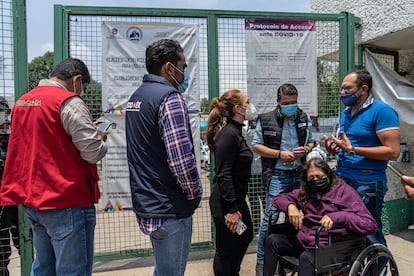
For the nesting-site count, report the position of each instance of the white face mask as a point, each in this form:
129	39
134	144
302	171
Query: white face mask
251	112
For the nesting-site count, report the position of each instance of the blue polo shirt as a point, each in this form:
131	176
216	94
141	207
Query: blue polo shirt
362	128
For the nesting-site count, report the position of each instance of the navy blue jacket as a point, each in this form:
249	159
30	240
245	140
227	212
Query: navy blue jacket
154	190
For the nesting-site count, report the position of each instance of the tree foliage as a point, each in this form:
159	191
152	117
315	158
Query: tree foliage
40	68
328	89
93	98
204	106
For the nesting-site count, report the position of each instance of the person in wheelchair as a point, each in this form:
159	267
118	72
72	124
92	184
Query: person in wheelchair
324	199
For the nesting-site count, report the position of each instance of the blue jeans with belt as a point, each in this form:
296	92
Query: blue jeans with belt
283	181
63	240
372	193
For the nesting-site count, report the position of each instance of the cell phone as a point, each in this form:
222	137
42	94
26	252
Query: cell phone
395	170
338	134
241	227
104	126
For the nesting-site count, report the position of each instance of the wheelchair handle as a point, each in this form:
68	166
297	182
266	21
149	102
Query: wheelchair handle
320	228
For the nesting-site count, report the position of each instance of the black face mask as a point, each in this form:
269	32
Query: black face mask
319	186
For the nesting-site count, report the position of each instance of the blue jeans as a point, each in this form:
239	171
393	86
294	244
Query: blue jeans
171	244
373	203
283	181
63	241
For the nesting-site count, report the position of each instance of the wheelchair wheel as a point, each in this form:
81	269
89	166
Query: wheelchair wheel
375	260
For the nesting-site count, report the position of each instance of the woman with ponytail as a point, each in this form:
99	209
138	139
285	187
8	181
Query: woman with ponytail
233	158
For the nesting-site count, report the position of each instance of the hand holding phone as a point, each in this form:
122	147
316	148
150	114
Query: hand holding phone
241	227
104	126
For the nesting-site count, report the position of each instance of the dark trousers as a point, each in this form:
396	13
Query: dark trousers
231	247
282	245
8	230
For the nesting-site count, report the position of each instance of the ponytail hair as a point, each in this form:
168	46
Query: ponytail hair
221	108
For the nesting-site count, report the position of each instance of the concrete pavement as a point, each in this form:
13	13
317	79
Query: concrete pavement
401	245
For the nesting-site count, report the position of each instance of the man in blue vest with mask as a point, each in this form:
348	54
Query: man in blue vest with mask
281	139
165	183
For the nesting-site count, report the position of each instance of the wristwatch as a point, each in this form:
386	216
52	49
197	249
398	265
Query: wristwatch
352	151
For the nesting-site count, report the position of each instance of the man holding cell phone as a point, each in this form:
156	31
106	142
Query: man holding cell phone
51	170
370	136
282	139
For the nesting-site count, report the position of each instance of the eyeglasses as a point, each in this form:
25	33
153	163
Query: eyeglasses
346	89
288	103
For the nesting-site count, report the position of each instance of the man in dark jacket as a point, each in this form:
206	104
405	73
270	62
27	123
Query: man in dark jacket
165	183
281	139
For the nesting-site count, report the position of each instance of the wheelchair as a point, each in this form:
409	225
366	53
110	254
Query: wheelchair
344	255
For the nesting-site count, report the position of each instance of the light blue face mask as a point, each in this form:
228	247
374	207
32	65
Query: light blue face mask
182	86
288	110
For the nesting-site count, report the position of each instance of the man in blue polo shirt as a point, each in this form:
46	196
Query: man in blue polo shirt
369	137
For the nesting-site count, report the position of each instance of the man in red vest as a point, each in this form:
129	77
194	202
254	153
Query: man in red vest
51	170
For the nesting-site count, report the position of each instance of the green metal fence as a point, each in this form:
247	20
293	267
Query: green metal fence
6	51
13	83
6	91
77	33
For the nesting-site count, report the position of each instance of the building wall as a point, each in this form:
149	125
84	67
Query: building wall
378	17
407	64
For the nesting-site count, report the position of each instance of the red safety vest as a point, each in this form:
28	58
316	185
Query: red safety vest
43	168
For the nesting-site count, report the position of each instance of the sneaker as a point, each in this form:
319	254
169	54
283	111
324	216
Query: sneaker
259	269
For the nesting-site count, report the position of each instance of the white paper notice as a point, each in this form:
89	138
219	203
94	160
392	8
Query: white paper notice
278	52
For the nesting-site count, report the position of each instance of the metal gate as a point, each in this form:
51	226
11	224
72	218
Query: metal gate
78	34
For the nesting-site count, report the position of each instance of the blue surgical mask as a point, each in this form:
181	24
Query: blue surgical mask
183	85
288	110
349	99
